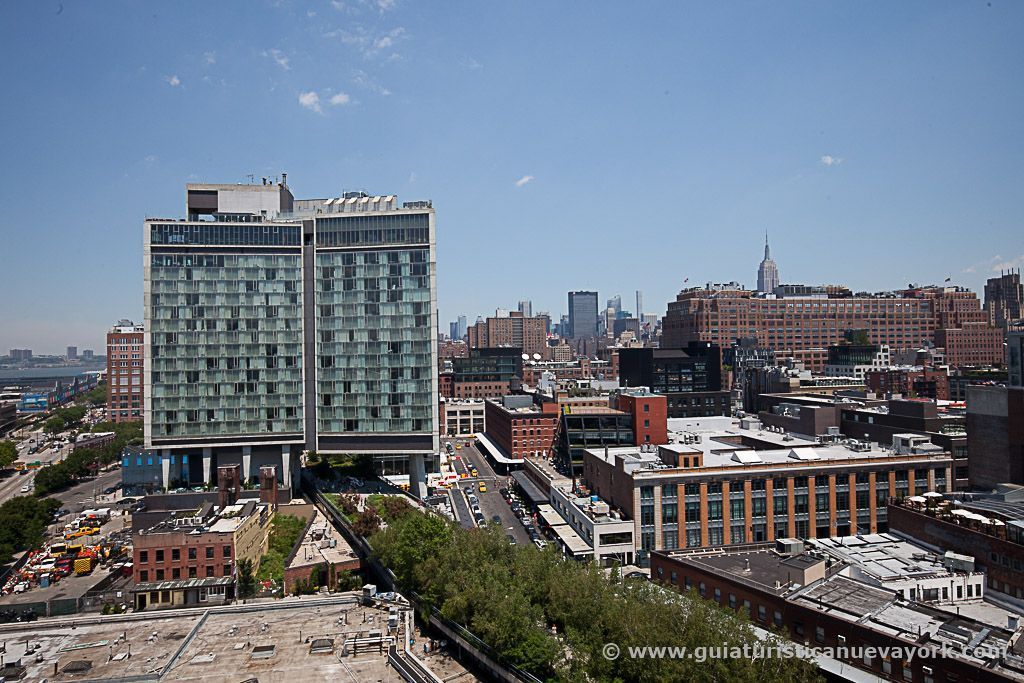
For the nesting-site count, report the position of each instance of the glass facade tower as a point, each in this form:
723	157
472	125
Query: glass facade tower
225	342
275	325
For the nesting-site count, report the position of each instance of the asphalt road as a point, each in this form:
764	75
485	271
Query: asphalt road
491	502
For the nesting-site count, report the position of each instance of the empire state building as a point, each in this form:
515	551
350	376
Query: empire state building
768	272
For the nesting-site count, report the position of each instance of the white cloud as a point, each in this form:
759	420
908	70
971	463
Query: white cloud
174	81
386	40
363	80
209	58
412	177
152	159
1007	264
340	99
522	181
279	57
338	5
969	269
310	13
829	160
385	5
310	100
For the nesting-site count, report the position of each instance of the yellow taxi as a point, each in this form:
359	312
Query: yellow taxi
458	446
483	487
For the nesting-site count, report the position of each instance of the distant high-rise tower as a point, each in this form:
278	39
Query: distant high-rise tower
768	273
1004	300
639	305
582	315
526	308
462	326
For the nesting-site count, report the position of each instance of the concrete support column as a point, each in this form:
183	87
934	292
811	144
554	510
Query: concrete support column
417	476
165	467
286	466
207	465
246	461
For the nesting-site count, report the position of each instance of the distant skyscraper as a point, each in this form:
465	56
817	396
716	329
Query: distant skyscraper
615	303
526	308
768	273
639	305
453	330
1004	299
72	353
546	317
582	315
20	354
562	328
275	325
462	326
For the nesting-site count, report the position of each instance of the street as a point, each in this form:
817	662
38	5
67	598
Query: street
491	502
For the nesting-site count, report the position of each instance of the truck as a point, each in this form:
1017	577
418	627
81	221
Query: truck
83	564
19	466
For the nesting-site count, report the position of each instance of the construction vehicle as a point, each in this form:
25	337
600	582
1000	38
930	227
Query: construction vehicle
84	564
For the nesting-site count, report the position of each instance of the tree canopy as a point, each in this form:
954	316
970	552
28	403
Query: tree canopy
552	616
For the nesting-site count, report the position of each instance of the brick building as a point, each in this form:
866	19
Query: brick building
516	330
997	548
485	373
804	325
995	435
522	425
878	420
650	414
192	560
911	382
721	481
870	599
125	393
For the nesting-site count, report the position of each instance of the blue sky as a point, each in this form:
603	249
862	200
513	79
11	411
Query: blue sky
608	146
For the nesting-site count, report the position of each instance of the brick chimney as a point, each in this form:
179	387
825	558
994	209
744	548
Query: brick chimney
268	486
229	485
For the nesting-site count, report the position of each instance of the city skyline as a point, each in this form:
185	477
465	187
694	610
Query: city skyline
820	124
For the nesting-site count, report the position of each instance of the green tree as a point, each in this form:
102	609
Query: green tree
516	598
367	523
22	522
96	396
246	579
54	424
8	453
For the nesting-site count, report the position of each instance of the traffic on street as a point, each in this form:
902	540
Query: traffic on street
478	497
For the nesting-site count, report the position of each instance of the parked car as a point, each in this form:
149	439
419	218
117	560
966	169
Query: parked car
496	519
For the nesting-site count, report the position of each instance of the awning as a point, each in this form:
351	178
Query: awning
183	584
531	490
574	545
496	451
